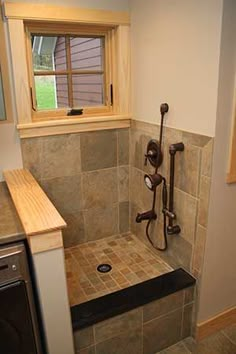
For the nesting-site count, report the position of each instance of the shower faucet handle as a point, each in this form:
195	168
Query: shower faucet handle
151	154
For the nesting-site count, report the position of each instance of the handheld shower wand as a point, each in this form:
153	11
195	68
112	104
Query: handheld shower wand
152	181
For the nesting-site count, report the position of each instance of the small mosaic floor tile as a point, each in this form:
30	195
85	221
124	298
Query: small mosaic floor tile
131	260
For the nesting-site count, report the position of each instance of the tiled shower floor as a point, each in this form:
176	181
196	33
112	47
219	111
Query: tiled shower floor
132	263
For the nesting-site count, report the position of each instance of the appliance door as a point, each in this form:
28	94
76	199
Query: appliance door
16	329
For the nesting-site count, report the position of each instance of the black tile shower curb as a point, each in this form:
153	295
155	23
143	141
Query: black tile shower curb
102	308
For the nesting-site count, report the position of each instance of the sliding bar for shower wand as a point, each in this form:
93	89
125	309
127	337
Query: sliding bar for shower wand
173	229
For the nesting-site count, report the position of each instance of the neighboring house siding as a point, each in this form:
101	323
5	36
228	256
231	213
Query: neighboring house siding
86	54
61	81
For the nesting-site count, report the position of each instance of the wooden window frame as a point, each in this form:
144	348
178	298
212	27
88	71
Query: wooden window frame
70	30
5	72
19	14
231	174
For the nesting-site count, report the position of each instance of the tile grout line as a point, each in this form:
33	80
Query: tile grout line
165	314
182	314
228	337
142	331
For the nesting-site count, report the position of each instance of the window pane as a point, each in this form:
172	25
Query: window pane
86	53
51	92
88	90
49	53
2	103
62	91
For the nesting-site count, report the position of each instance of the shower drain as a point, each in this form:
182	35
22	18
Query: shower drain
104	268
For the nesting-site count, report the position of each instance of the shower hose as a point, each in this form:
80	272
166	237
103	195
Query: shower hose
164	201
164	205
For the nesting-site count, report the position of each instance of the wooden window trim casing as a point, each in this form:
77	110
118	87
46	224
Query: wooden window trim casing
231	175
5	72
119	37
41	28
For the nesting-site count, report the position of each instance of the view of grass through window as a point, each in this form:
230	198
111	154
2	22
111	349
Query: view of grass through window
68	71
45	92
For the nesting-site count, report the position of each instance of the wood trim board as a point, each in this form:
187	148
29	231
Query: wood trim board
37	213
216	323
44	242
5	72
68	127
20	70
231	175
42	12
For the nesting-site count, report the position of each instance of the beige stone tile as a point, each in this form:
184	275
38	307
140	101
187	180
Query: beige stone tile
179	252
199	248
89	350
123	147
118	324
185	207
60	156
178	348
83	338
123	217
126	343
162	332
74	233
187	321
136	185
148	128
100	188
123	180
189	295
98	150
204	200
170	136
195	139
136	152
207	155
90	291
187	169
64	192
32	156
162	306
101	222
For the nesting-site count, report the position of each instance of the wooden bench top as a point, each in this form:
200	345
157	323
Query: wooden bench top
37	213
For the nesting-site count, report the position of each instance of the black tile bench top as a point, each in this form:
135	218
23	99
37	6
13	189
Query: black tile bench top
96	310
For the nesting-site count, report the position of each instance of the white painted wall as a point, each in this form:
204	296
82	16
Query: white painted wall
53	298
175	58
184	53
218	291
10	152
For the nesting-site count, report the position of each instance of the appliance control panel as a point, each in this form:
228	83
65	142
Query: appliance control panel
12	260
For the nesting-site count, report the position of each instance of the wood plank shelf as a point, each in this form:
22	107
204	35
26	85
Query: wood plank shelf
37	214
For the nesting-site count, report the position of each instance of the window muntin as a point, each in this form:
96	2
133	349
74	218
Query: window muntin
92	92
68	71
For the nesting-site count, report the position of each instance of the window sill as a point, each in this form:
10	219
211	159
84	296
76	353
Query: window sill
73	125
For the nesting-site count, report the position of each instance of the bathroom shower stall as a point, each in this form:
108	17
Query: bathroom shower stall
114	274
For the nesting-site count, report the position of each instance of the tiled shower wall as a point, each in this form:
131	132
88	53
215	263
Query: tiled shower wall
95	179
144	330
191	195
86	176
